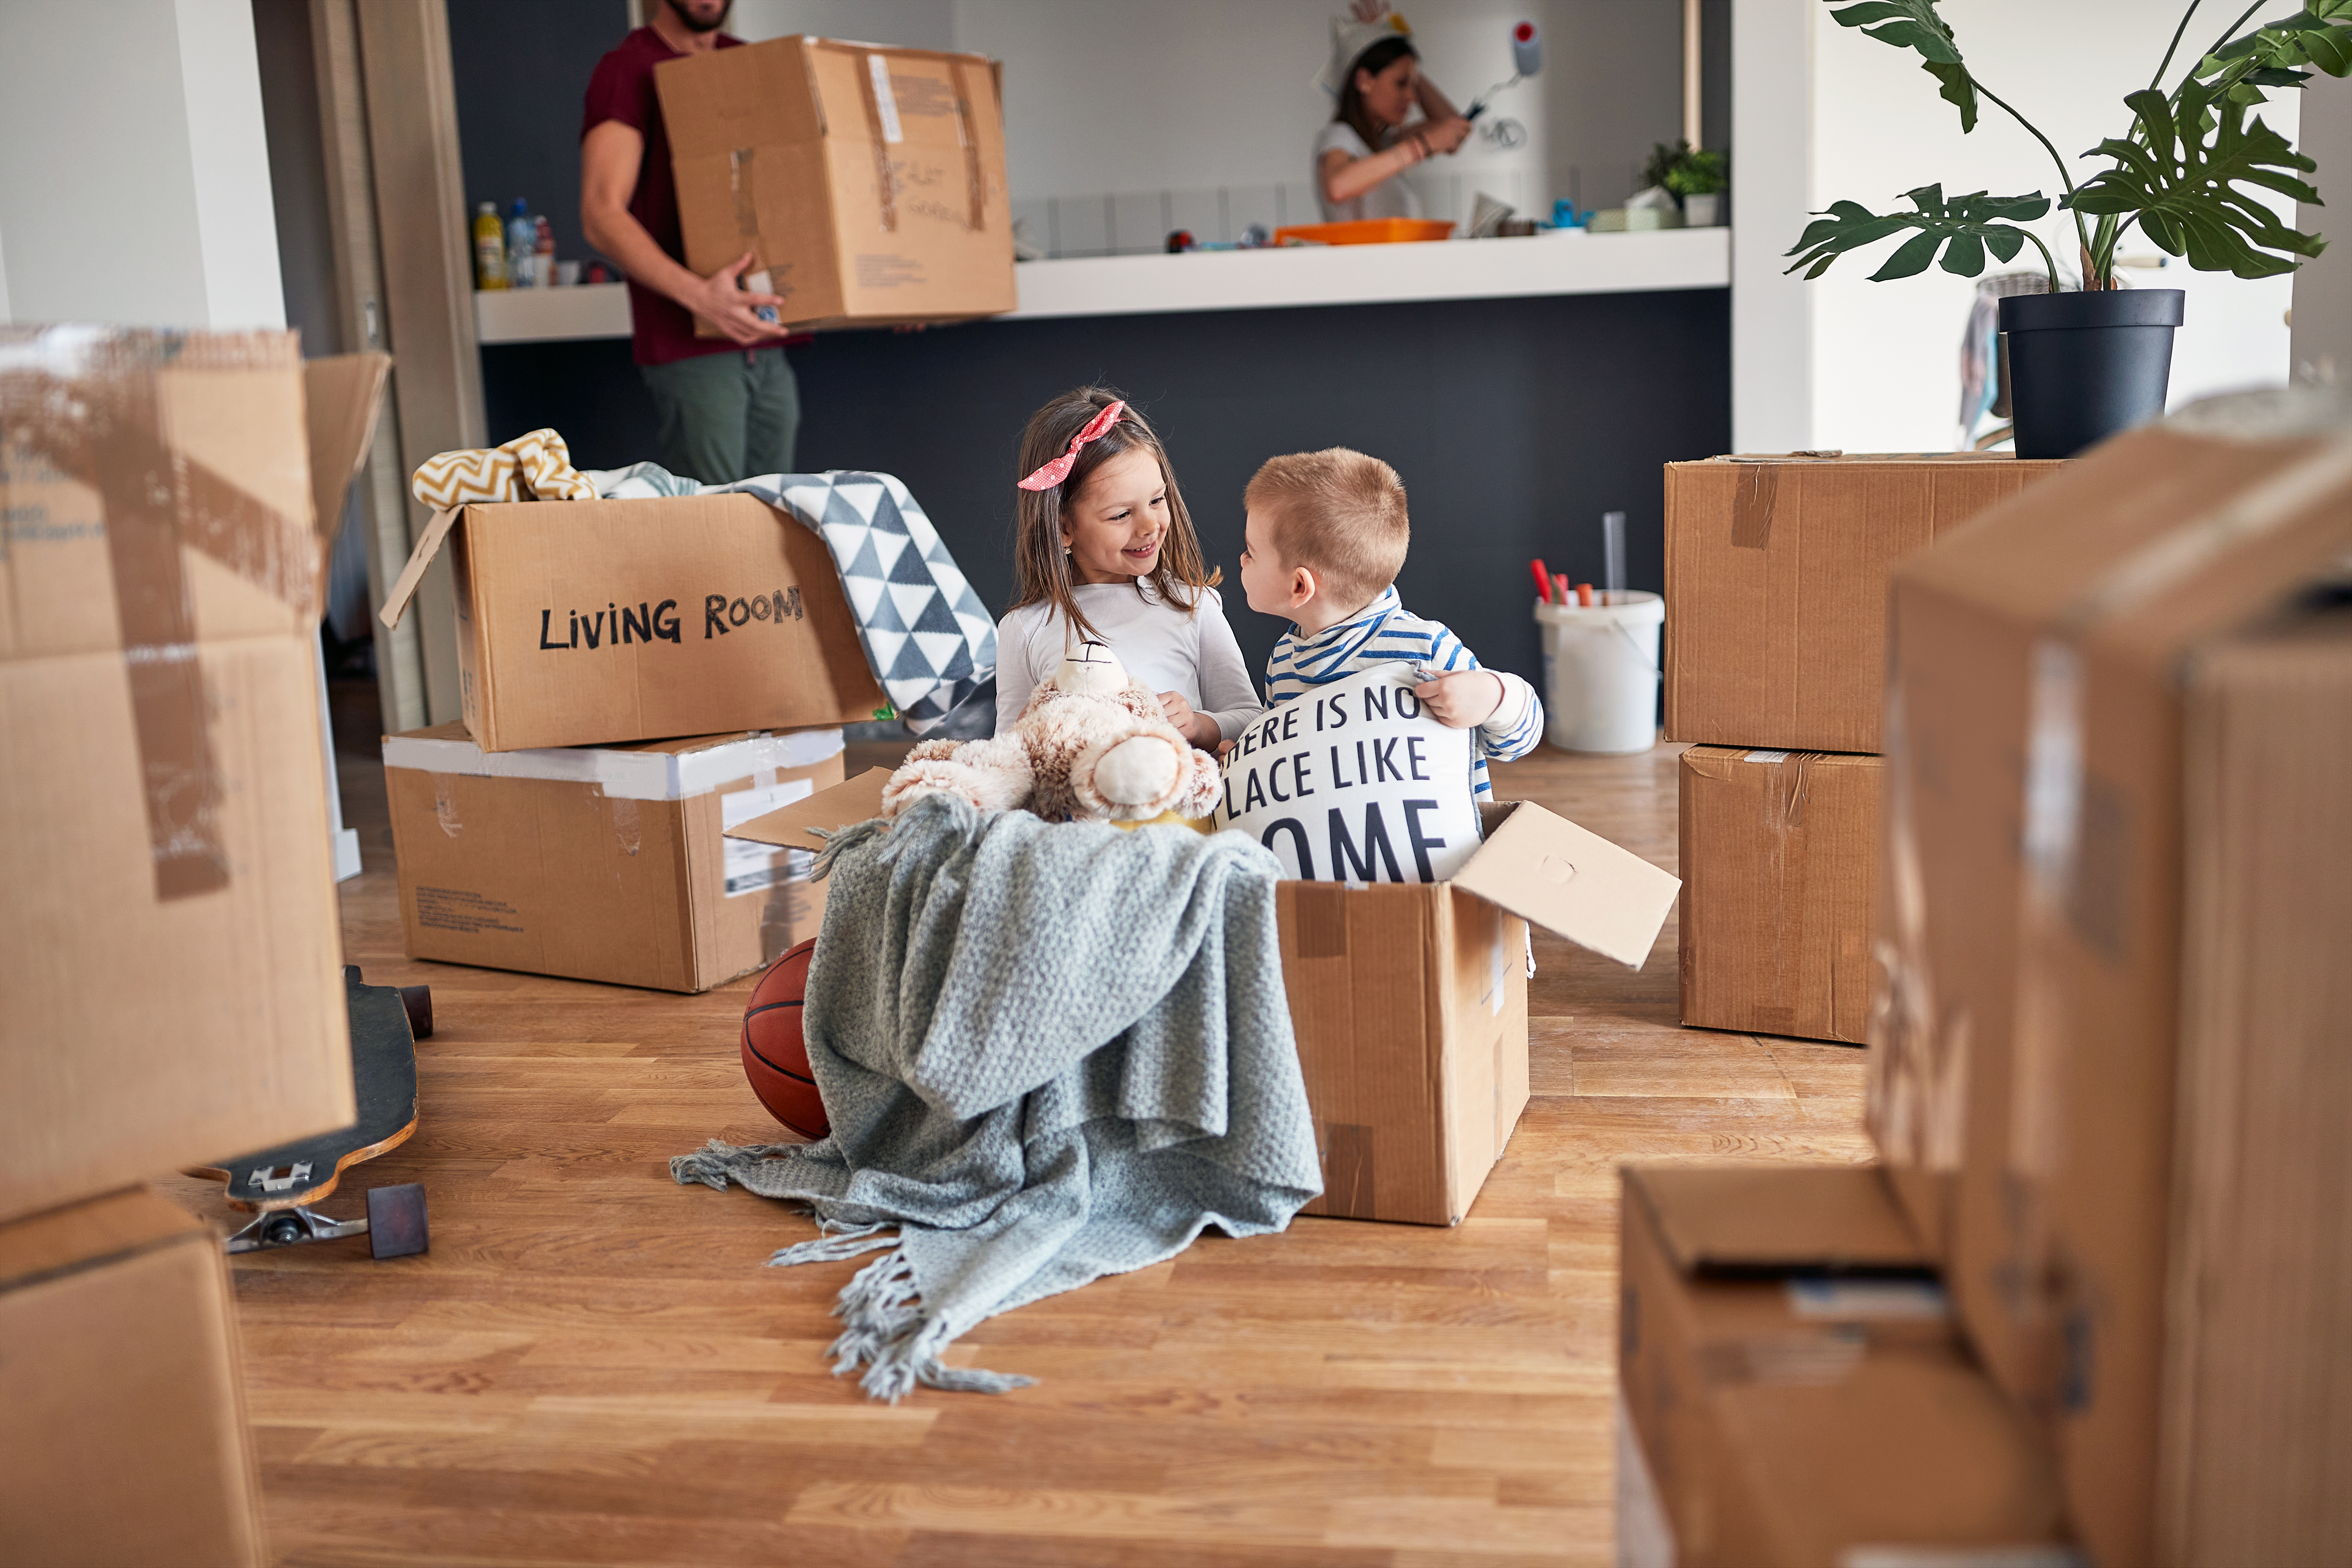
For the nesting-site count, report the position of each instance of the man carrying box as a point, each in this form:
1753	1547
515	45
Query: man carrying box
729	406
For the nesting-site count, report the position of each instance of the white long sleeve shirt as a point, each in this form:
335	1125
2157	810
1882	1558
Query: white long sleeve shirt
1194	655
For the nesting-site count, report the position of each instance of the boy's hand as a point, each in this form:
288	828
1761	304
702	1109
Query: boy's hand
1459	700
1197	729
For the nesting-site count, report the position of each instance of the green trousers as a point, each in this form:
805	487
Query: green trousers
728	416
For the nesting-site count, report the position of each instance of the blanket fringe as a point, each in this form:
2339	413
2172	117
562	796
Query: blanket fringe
710	1163
883	1327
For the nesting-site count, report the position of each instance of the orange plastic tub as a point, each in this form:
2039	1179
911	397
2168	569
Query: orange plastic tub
1366	231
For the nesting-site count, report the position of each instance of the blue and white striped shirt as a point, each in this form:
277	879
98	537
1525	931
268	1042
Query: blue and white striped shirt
1386	631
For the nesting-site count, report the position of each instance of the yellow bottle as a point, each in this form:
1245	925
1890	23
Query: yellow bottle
489	250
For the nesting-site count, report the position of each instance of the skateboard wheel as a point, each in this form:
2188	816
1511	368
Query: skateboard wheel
396	1225
418	1000
284	1231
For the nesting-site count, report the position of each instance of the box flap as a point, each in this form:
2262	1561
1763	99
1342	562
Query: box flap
85	1234
1574	883
859	800
428	545
344	394
1776	1219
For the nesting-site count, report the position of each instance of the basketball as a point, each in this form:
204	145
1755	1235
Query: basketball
775	1060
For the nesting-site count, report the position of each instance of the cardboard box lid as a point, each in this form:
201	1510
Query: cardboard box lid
777	91
342	393
88	1234
1888	460
2168	535
1572	882
859	800
1776	1219
645	770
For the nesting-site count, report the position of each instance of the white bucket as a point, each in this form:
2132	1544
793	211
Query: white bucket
1601	673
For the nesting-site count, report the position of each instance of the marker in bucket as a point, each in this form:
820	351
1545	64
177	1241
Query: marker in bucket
1543	579
1560	589
1612	553
1584	594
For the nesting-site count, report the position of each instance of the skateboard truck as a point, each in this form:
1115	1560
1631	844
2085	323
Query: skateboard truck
395	1225
279	1185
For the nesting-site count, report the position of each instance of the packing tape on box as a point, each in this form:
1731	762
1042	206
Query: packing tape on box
84	401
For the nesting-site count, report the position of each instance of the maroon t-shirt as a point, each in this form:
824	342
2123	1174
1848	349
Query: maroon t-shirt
623	90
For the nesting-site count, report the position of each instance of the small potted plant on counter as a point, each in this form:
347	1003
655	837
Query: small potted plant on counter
2188	171
1693	176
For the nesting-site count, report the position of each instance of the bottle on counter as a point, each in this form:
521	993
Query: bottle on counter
543	253
489	248
522	246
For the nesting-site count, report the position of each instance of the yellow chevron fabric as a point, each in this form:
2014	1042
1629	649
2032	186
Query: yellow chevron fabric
537	466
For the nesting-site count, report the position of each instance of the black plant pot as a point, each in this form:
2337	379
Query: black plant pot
2084	366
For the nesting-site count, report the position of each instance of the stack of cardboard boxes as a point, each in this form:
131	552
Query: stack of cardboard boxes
561	828
2110	1067
1776	649
170	950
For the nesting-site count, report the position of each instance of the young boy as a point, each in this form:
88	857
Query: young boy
1326	535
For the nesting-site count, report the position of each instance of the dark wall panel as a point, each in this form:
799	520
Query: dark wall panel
521	70
1515	424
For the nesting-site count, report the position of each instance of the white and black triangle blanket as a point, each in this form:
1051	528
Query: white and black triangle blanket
931	642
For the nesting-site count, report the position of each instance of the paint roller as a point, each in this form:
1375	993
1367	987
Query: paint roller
1526	59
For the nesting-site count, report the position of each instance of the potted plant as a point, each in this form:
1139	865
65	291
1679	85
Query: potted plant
2086	364
1693	176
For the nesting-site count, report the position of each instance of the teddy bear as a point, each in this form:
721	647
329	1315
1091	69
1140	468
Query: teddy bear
1091	744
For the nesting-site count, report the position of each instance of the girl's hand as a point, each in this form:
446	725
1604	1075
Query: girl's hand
1467	697
1197	729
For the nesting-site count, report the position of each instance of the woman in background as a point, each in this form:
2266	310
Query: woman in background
1375	74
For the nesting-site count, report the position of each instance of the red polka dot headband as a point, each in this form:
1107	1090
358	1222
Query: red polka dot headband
1054	472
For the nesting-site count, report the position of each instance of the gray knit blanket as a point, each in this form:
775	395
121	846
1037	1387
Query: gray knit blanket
1048	1053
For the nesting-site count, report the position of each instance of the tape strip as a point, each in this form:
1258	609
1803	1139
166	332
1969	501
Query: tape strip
1751	509
973	180
886	178
105	430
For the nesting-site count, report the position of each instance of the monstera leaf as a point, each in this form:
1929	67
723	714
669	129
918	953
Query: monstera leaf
2185	182
1963	228
2319	36
1913	24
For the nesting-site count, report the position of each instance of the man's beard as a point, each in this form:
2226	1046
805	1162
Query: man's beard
695	25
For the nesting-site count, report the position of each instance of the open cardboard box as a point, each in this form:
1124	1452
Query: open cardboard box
594	623
1410	1001
1794	1391
170	951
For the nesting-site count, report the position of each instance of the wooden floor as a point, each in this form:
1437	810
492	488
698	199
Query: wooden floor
592	1365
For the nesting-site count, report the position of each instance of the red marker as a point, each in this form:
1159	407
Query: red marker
1543	579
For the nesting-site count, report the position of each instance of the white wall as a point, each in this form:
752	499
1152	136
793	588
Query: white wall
1136	98
2323	289
1880	371
134	174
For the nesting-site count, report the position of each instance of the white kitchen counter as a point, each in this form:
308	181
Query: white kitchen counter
1569	263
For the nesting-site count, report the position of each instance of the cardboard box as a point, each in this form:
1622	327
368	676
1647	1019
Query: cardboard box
1792	1391
1410	1001
1779	863
604	864
1776	586
122	1425
594	623
2118	1052
169	943
869	182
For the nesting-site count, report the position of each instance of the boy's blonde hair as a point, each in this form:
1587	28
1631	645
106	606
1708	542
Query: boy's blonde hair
1338	512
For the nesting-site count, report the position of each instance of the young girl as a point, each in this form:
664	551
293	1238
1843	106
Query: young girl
1105	553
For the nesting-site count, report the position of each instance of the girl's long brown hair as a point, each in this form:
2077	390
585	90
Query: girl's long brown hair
1375	59
1041	567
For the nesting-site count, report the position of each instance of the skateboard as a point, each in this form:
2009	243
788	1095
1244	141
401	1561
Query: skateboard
279	1185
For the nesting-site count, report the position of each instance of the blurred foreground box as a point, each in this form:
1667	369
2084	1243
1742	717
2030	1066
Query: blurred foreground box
1793	1395
122	1425
2112	1068
170	941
